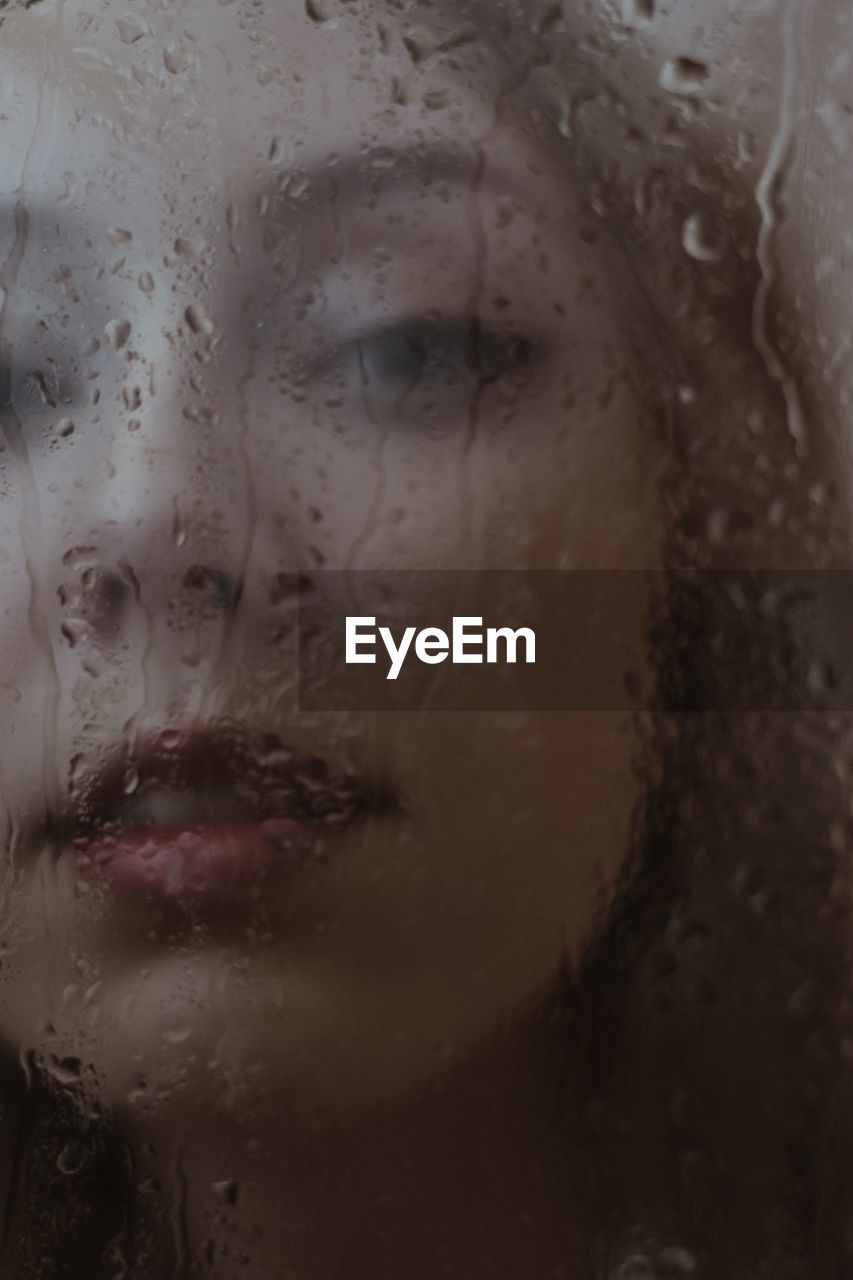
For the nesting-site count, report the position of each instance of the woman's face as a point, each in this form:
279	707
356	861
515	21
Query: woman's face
289	290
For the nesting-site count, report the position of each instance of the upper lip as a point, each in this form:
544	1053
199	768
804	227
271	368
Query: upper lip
191	775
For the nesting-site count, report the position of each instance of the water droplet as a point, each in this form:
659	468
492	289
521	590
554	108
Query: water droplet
130	781
468	33
227	1190
179	529
138	1092
297	186
130	30
684	76
704	237
65	1071
80	557
146	283
399	91
37	380
638	13
198	319
128	574
319	11
210	581
73	630
436	99
70	1159
747	148
65	428
420	43
175	59
93	667
132	397
190	248
117	236
117	333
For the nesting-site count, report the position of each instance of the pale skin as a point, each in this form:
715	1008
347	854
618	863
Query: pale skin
233	431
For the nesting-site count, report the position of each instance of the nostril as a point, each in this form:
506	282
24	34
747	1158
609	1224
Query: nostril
108	587
95	604
288	587
214	583
114	590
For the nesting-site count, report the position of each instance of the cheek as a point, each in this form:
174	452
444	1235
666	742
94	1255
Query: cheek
519	827
360	498
563	485
554	481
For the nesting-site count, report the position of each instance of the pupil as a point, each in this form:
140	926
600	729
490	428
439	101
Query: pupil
416	355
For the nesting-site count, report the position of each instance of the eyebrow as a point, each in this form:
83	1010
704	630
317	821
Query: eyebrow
410	166
352	177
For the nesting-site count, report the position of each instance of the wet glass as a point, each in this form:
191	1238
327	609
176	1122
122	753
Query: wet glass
296	989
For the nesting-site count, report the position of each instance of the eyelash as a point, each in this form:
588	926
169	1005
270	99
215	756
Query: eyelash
431	351
429	362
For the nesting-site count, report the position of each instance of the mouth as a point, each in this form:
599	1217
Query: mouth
216	815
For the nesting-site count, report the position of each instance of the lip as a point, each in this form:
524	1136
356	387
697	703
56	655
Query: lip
242	860
258	817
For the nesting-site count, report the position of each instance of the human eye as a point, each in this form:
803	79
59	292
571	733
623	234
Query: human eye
432	351
428	370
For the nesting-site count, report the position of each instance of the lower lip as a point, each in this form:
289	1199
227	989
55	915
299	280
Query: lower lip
213	862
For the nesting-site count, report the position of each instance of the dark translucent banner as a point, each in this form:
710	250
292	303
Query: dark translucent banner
683	641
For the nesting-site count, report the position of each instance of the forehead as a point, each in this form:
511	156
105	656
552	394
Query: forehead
234	86
151	118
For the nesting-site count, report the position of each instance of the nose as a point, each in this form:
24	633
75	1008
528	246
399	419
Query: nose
177	535
222	586
167	518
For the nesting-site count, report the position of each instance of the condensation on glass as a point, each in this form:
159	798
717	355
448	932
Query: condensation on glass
380	285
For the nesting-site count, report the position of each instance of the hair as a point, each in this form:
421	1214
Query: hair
707	1092
700	1047
714	1009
